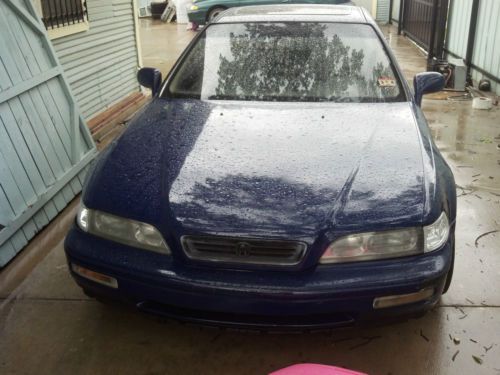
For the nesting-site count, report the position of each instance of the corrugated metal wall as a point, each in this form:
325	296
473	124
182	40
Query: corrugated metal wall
45	145
487	48
383	9
458	26
367	4
396	5
101	63
487	44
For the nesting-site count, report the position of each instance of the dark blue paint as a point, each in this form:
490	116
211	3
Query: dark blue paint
326	290
426	83
150	78
311	172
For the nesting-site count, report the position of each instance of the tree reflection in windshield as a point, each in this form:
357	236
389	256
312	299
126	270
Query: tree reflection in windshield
301	62
291	61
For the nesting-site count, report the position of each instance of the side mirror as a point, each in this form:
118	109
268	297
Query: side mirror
150	78
426	83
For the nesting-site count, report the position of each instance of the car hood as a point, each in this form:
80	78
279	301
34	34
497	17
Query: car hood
284	170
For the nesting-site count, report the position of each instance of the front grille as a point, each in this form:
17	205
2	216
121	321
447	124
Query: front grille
243	250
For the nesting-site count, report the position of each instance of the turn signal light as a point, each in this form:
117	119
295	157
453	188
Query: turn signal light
402	299
95	276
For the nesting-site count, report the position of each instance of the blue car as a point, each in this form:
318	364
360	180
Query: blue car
282	177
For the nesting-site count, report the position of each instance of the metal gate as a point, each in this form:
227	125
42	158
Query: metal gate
424	21
45	145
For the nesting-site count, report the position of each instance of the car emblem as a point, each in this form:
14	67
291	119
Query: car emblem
242	249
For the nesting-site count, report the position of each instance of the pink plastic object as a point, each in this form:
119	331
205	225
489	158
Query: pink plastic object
313	369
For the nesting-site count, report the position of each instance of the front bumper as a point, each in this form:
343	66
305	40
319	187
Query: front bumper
329	296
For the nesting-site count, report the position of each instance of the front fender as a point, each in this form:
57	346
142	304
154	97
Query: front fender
440	189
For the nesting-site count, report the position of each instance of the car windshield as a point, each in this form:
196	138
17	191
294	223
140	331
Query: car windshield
290	61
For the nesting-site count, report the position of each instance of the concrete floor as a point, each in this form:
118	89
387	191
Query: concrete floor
162	43
47	326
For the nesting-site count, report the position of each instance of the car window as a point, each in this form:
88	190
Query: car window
292	61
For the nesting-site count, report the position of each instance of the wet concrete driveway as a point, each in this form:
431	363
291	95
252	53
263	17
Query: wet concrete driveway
48	326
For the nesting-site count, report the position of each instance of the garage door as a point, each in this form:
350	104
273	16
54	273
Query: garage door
45	145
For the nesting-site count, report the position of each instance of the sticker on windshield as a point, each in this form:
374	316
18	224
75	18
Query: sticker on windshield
386	82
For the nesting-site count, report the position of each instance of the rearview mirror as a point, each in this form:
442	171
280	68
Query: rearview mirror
426	83
150	78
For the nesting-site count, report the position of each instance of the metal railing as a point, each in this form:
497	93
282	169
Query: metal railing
60	13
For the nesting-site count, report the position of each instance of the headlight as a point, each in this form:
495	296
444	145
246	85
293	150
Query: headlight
374	245
194	7
118	229
388	244
437	233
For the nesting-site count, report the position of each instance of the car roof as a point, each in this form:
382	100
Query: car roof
295	13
